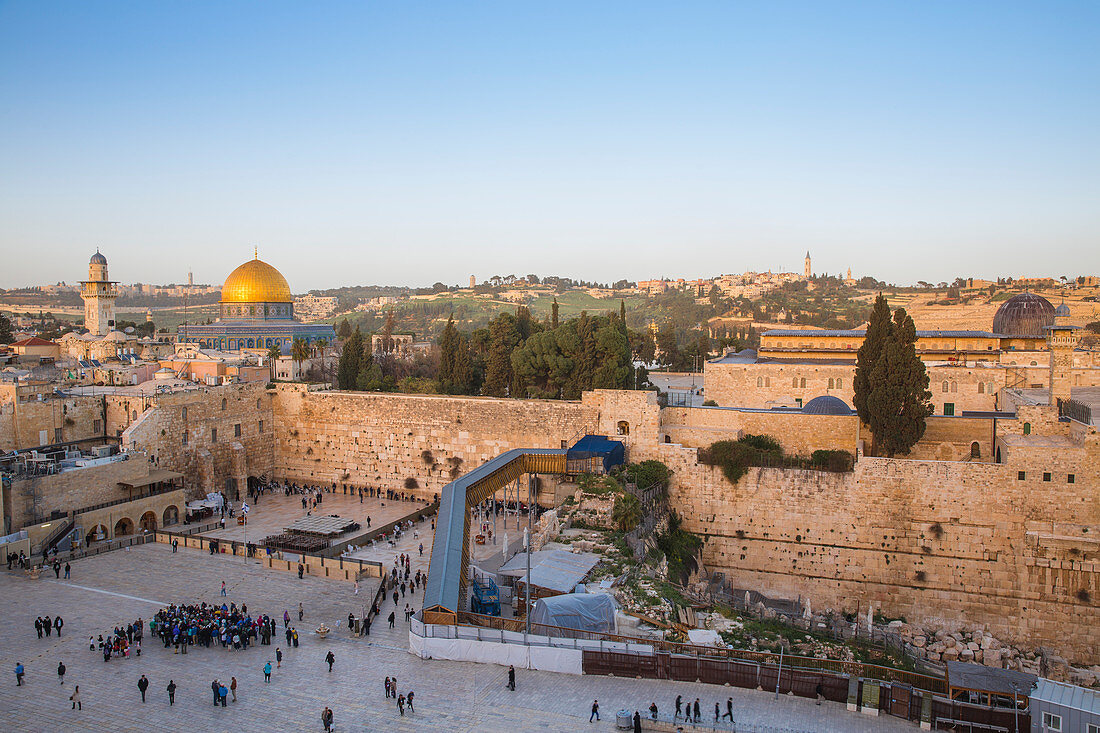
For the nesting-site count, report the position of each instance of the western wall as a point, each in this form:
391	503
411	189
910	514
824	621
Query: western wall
1013	546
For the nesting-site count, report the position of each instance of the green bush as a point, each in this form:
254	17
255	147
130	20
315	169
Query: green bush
680	548
648	473
838	461
735	456
710	403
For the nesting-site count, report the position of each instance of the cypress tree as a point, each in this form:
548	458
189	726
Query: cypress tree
878	333
462	376
448	351
344	331
554	314
503	338
348	368
899	401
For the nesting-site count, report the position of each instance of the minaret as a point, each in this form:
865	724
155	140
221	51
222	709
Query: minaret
809	271
1061	341
99	295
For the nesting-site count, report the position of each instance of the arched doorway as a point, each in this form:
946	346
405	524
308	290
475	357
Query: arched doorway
124	527
171	516
149	521
975	450
96	533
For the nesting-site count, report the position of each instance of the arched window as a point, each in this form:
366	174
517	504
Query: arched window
225	403
794	382
830	382
802	383
623	427
975	450
767	381
981	390
945	386
134	416
759	381
954	386
1027	428
258	403
838	381
185	413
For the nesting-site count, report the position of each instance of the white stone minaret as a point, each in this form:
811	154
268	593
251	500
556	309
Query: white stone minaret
98	293
809	271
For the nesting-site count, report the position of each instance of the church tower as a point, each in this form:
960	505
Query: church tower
98	293
1061	340
809	271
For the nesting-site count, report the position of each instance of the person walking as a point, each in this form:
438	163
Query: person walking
301	571
47	625
57	624
57	569
61	672
223	694
68	569
75	697
38	627
19	671
278	658
729	709
286	618
595	711
326	719
716	712
294	636
330	658
171	692
511	678
409	701
175	546
267	672
637	722
679	700
214	686
301	612
233	687
698	715
391	619
143	685
401	704
223	587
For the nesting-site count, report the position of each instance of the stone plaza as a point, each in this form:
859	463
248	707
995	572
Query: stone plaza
118	587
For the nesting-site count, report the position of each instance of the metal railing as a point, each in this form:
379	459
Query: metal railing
116	502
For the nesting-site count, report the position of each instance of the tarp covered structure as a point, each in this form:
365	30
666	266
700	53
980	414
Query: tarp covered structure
555	570
611	452
578	611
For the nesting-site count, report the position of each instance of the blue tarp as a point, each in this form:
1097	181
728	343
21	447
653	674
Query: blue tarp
598	446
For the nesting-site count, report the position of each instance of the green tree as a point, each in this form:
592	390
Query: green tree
503	339
273	354
448	352
347	371
343	332
899	403
626	512
299	351
668	350
554	314
878	333
387	333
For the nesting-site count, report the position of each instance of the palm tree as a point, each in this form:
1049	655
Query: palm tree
299	351
627	512
273	354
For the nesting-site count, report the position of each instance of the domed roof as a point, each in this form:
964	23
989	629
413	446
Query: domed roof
826	405
1061	310
97	259
256	282
1024	315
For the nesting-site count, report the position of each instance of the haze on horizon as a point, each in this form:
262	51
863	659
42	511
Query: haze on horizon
407	144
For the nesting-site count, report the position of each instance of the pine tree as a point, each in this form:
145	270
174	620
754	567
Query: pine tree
503	339
899	401
874	341
344	331
554	314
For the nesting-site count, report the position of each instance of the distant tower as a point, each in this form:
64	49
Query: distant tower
808	270
99	295
190	278
148	315
473	281
1061	340
849	273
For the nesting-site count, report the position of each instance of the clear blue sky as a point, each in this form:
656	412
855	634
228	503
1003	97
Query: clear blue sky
409	142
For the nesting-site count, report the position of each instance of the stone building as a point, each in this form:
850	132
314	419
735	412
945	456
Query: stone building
99	293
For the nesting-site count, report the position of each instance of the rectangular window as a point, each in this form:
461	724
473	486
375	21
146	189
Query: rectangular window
97	426
213	435
261	426
58	435
1093	728
237	430
1052	722
948	408
183	438
1020	475
1046	476
1070	478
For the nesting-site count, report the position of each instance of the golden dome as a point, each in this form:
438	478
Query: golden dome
256	282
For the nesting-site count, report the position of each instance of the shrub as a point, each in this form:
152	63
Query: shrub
710	403
680	548
411	483
648	473
427	457
838	461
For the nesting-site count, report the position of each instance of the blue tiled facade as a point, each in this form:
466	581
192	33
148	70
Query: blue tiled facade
237	335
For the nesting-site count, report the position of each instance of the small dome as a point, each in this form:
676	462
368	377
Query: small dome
256	282
1062	310
1025	314
97	259
826	405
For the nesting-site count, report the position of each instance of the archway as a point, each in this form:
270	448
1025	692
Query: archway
623	427
171	516
123	527
96	533
149	521
975	450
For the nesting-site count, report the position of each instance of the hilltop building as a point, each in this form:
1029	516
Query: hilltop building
99	293
256	312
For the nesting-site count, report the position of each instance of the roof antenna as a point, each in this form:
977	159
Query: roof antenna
256	251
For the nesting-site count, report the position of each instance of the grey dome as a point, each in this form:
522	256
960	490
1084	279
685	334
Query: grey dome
1025	314
826	405
97	259
1062	310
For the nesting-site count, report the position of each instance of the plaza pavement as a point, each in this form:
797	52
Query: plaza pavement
118	587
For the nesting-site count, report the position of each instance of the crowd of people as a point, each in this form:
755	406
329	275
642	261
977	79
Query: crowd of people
121	641
234	628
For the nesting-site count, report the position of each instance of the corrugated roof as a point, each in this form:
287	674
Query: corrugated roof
1066	695
554	569
989	679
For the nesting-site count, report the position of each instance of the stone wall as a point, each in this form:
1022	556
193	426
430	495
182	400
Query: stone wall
26	421
215	436
799	434
945	544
